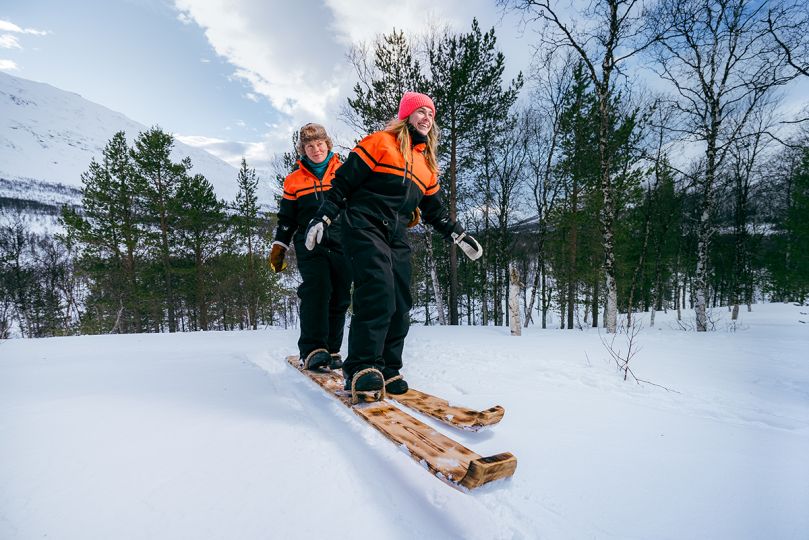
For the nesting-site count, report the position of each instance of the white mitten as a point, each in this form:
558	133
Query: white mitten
469	245
315	230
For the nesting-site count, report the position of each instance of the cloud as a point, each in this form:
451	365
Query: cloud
8	26
362	20
256	153
7	41
273	48
293	54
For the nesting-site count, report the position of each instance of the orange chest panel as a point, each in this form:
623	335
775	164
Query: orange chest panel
303	182
380	151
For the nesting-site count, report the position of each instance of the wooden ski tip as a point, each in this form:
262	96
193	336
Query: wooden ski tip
487	469
491	416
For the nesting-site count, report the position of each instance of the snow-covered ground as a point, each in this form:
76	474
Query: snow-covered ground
213	435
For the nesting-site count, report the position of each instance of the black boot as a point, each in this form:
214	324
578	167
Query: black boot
369	381
336	361
317	359
394	383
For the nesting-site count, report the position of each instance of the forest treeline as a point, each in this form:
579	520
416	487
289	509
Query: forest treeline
151	249
600	196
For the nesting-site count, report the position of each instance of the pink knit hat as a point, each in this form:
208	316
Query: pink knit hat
412	101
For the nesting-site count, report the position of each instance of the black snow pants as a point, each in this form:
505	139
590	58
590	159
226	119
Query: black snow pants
381	305
325	294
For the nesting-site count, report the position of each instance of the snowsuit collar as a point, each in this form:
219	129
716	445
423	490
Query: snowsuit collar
317	169
417	138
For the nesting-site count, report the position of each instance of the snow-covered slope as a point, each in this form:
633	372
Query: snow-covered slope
49	197
51	135
212	435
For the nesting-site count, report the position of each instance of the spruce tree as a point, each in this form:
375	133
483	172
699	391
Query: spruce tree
467	87
200	223
109	232
247	228
393	71
796	228
160	177
578	167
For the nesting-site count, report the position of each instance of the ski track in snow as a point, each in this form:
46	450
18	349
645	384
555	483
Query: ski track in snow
383	469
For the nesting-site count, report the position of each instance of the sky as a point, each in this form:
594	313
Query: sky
235	77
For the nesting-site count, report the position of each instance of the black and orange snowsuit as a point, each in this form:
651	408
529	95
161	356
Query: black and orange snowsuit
325	288
380	192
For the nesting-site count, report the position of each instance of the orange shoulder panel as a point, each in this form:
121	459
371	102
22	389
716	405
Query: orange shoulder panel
375	147
334	164
294	182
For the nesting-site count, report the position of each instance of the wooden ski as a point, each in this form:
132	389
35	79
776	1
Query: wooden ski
452	415
445	458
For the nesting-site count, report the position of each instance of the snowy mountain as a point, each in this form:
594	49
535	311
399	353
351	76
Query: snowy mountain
50	135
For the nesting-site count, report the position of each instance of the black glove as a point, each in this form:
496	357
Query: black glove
469	245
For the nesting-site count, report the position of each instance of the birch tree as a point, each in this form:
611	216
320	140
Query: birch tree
721	64
788	24
614	35
514	300
552	83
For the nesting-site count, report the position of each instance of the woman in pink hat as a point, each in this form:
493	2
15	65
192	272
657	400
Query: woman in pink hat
390	177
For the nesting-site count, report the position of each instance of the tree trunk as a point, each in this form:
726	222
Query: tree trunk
705	228
608	210
439	297
572	254
534	288
453	214
164	237
544	298
202	307
639	269
252	296
514	301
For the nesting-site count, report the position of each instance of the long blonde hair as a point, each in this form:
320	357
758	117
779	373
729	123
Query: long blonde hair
399	128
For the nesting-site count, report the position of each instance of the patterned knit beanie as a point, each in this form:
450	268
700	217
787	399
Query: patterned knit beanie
312	132
412	101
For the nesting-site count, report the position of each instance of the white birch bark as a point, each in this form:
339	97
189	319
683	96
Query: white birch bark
514	301
439	298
